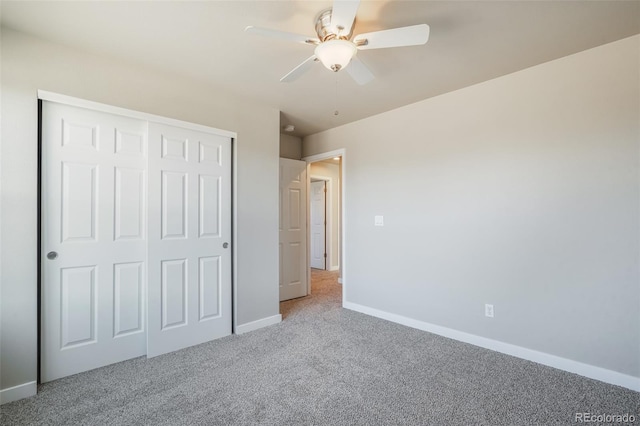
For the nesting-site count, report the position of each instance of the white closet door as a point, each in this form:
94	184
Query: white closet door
293	229
189	238
93	239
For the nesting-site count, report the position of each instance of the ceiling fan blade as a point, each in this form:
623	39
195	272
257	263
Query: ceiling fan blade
343	14
299	70
359	71
397	37
283	35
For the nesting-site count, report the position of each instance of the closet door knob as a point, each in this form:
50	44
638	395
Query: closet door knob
52	255
225	245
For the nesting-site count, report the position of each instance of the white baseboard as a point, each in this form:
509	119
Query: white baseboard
340	281
586	370
333	268
18	392
254	325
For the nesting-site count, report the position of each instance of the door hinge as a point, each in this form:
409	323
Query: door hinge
325	255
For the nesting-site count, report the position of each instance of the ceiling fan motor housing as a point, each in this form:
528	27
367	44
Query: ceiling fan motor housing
326	32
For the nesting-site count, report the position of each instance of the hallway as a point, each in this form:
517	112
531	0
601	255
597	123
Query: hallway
326	294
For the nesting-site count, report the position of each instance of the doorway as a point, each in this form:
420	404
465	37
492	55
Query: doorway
327	171
325	284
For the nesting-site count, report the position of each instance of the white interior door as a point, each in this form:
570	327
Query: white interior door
293	229
189	238
93	239
318	225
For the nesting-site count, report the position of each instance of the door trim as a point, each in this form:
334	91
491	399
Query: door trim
39	245
43	95
110	109
342	152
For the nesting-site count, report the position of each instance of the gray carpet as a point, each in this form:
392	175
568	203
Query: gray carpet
323	365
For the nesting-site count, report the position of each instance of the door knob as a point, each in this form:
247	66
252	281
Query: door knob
52	255
225	245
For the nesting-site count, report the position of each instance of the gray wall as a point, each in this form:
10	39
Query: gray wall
29	64
290	147
523	192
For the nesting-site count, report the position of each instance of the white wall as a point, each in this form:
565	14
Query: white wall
290	147
332	172
523	192
30	64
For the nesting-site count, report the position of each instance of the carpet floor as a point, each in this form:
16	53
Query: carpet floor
323	365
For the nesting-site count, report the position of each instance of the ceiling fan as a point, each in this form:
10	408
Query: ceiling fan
336	48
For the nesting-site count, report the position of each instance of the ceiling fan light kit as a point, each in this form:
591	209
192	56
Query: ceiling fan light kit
335	54
336	49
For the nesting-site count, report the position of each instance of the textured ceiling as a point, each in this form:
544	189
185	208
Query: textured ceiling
470	42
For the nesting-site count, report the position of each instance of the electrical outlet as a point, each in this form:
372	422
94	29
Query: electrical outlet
378	220
488	310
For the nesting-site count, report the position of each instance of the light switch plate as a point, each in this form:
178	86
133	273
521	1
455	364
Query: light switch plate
378	221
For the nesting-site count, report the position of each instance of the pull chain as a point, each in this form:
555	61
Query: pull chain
336	112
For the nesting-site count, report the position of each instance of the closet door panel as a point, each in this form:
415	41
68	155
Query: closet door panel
93	239
189	238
